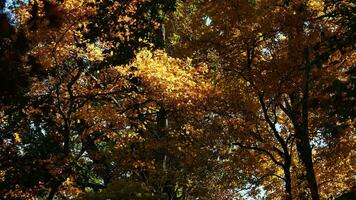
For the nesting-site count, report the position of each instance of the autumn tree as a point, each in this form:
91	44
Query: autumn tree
91	122
216	100
283	51
73	89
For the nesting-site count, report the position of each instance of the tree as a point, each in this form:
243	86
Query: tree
61	127
177	99
89	123
280	50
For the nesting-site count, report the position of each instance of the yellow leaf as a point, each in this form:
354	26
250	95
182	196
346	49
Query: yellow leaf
17	137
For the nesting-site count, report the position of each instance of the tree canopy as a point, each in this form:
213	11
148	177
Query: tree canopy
174	99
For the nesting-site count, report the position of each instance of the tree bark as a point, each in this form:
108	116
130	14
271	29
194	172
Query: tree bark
54	189
305	155
288	178
302	134
288	185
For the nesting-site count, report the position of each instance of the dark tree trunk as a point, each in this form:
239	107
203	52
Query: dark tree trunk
298	111
302	134
54	189
288	178
305	155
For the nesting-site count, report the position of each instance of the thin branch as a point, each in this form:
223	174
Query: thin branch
271	124
269	154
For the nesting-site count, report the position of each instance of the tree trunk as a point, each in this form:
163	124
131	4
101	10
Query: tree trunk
305	155
54	189
288	179
302	133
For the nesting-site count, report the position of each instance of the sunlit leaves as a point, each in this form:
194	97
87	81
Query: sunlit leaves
175	82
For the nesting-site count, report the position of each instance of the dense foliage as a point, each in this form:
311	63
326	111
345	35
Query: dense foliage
173	99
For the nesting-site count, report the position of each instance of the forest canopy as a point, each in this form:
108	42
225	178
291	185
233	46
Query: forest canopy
177	100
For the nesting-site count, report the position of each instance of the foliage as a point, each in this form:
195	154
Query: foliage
155	99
